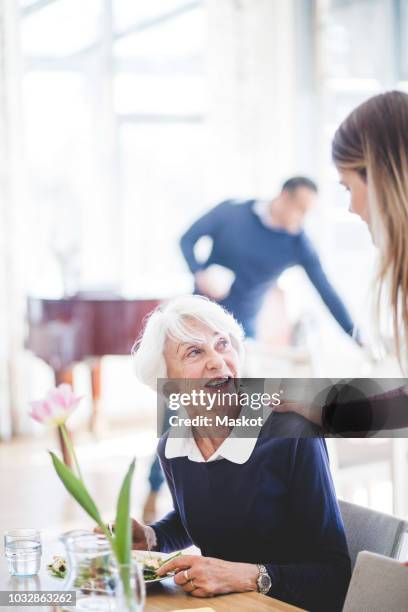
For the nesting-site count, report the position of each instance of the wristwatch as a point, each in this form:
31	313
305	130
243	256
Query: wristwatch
264	582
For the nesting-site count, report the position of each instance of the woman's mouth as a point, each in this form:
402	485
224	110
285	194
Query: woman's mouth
220	382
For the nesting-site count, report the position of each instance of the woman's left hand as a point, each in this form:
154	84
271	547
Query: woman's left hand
206	576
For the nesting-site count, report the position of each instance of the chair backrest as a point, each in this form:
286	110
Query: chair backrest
374	531
378	584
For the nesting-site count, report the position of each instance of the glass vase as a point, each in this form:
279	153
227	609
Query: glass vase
130	589
90	572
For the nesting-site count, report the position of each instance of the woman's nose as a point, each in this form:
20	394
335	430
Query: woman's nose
214	361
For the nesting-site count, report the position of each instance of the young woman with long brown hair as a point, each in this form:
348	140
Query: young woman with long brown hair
370	151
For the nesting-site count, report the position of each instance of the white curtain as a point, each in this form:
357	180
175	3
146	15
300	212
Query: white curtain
11	284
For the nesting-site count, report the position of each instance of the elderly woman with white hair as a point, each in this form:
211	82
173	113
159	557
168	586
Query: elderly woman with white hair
262	510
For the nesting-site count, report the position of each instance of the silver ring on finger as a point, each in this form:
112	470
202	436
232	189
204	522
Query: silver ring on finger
186	576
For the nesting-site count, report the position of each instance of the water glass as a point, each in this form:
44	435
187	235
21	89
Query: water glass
22	548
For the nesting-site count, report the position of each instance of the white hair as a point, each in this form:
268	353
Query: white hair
171	320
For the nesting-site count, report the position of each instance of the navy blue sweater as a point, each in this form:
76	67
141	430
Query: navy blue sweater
257	255
279	508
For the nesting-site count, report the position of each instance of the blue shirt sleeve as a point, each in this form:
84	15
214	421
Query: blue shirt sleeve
207	225
170	533
310	261
320	583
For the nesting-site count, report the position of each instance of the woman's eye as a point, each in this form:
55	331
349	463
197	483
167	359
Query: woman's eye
193	352
223	343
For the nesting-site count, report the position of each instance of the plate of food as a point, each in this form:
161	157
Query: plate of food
150	561
97	572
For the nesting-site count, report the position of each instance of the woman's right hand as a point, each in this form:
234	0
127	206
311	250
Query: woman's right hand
139	541
309	411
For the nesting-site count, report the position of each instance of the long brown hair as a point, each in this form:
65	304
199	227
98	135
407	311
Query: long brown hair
373	141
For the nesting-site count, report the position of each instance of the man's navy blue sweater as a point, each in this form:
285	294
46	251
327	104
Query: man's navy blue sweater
257	255
279	508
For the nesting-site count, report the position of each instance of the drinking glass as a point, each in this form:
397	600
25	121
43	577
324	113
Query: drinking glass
22	549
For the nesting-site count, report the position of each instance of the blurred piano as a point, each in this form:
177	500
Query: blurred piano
85	327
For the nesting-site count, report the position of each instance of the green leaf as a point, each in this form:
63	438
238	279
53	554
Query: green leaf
77	489
123	531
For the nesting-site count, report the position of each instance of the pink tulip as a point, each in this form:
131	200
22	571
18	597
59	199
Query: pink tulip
57	406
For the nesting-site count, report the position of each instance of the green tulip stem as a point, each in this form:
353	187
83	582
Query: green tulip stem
71	450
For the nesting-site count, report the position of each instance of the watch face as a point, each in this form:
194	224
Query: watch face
264	583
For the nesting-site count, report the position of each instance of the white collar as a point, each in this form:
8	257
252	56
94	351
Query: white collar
236	450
